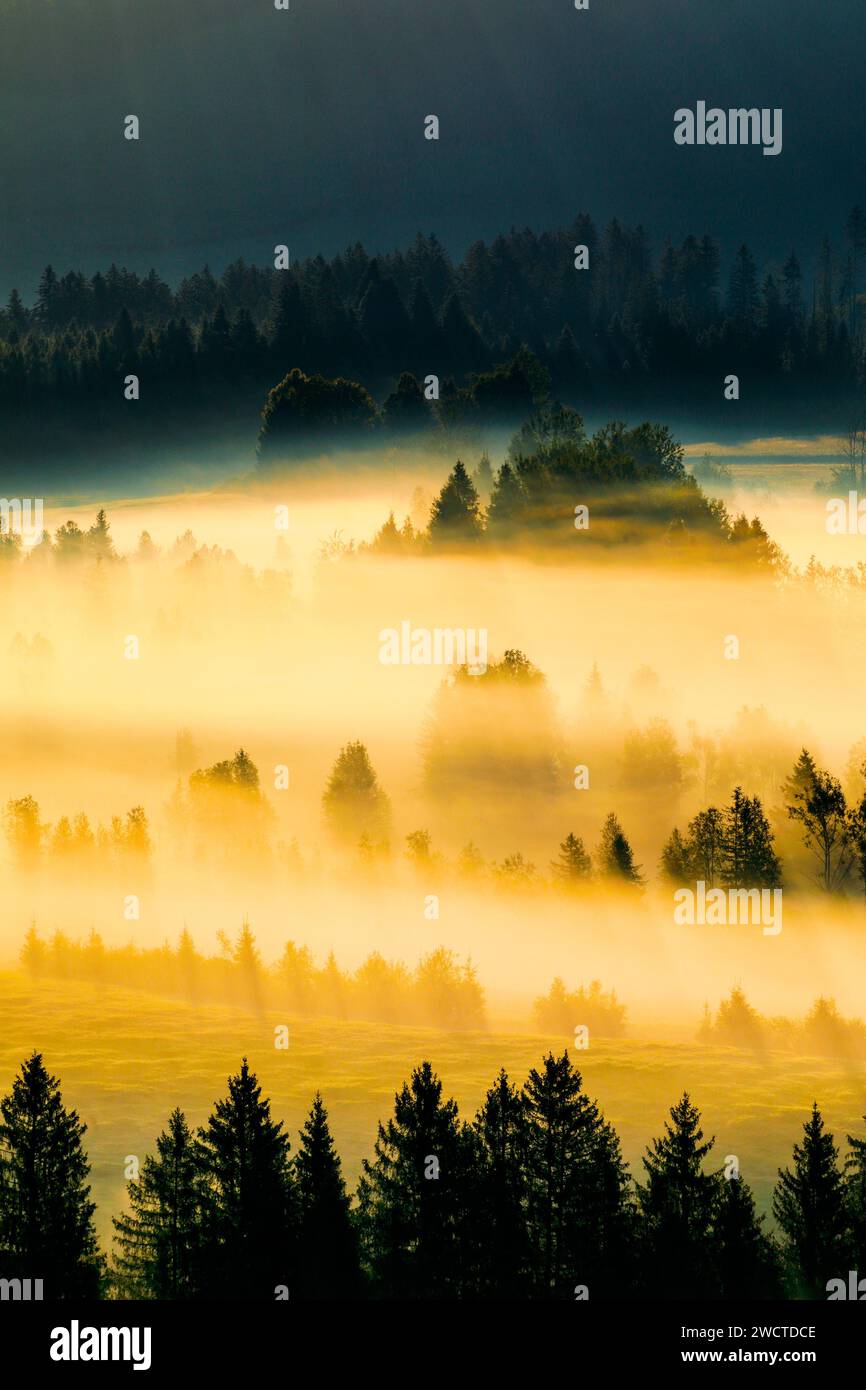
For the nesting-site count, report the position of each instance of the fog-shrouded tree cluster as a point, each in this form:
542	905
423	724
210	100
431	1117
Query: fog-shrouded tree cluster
441	991
631	484
823	1031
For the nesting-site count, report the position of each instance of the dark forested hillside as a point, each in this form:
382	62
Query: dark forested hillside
614	326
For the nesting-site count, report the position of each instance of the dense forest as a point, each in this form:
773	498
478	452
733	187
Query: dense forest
530	1199
595	316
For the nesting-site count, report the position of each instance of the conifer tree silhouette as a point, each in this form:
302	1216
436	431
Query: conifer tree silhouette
746	1259
46	1216
248	1198
577	1180
572	865
411	1197
855	1200
328	1265
157	1240
501	1131
677	1206
615	854
748	857
456	514
808	1204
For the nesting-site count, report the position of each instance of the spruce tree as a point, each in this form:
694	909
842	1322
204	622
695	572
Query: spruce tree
572	865
507	501
607	1228
746	1259
615	855
482	476
412	1197
248	1200
456	514
290	340
855	1201
157	1240
748	859
501	1129
809	1206
577	1199
743	291
677	1205
424	332
327	1246
99	539
677	859
801	778
46	1216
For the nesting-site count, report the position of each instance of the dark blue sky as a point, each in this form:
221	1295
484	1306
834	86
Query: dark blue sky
306	127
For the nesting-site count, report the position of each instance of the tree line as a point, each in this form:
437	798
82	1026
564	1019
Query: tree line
632	327
733	846
823	1032
440	992
529	1199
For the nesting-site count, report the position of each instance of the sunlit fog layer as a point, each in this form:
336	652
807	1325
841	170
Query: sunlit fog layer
275	649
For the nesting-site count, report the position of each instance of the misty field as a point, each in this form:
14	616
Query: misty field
224	812
124	1061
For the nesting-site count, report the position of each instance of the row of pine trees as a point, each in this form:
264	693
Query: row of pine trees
206	356
630	312
530	1199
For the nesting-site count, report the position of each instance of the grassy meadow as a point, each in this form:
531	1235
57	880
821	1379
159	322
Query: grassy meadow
124	1060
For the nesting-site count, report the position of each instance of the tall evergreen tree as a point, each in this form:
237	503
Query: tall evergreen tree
745	1258
743	290
809	1206
615	854
855	1200
677	1205
677	859
157	1240
290	338
502	1132
424	330
46	1216
748	858
327	1245
412	1197
507	501
572	865
482	476
248	1198
383	320
577	1183
456	514
792	293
